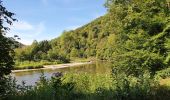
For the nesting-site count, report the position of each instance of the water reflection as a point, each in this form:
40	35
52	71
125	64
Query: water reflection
31	77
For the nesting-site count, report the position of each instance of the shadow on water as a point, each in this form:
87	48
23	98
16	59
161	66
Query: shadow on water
30	77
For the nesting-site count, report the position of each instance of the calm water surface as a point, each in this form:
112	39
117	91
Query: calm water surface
31	77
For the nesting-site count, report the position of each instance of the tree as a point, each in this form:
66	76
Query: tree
74	53
6	50
141	43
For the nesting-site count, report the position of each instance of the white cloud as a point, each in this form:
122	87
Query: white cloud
37	30
27	31
22	25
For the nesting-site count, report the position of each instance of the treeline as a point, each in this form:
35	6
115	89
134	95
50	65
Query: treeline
85	42
39	51
133	34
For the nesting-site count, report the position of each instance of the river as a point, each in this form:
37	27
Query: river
30	77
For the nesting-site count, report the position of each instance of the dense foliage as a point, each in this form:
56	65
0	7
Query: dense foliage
144	33
6	44
91	87
39	51
163	74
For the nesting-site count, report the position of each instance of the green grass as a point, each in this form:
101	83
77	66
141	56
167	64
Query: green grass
33	64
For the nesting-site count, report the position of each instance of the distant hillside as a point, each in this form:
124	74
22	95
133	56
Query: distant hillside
90	40
87	41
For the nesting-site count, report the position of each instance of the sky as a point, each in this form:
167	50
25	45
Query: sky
47	19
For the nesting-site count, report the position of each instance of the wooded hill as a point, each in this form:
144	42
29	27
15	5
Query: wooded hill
134	33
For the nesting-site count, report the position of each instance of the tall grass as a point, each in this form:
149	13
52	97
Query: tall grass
94	87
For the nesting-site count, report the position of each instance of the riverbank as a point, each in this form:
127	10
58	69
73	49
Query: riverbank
58	66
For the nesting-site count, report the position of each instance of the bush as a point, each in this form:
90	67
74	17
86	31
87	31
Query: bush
137	62
92	87
165	73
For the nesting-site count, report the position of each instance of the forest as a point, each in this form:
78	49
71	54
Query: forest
134	36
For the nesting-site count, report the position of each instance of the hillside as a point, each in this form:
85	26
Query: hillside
130	35
86	41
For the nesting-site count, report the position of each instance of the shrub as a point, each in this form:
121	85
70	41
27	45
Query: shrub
165	73
92	87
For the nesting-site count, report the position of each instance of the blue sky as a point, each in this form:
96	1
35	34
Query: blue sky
47	19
